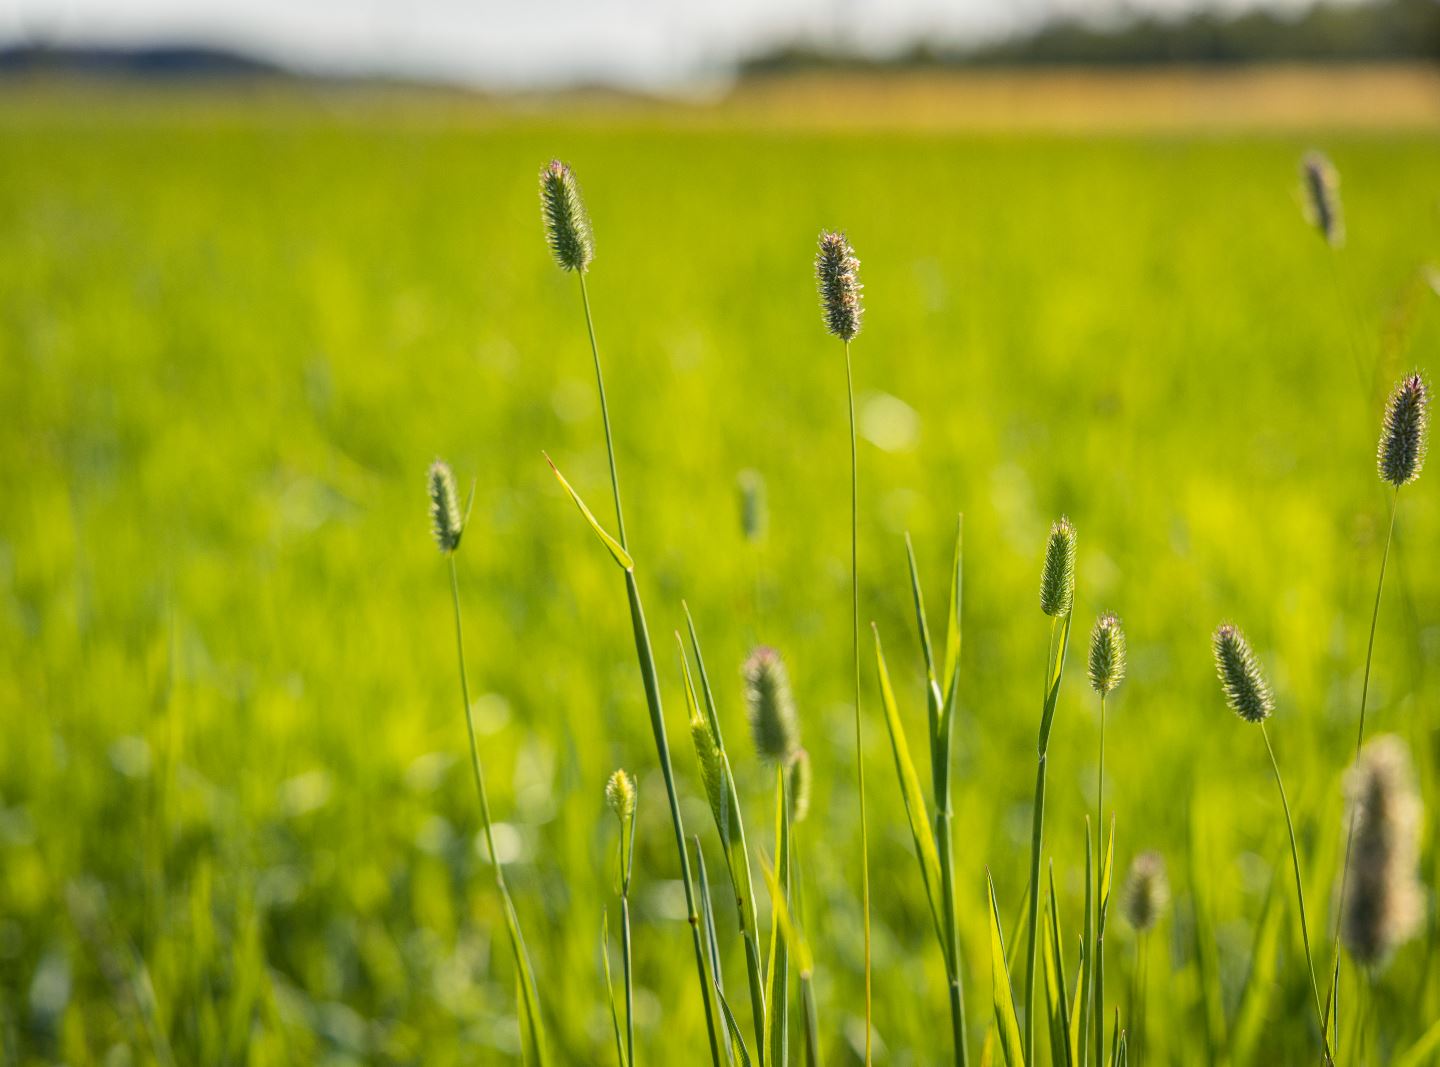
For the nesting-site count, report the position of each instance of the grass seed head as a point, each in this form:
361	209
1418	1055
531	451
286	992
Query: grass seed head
620	796
754	513
1057	581
771	706
800	780
1107	654
712	767
1385	902
838	273
1147	891
445	520
1322	197
1404	434
567	226
1245	688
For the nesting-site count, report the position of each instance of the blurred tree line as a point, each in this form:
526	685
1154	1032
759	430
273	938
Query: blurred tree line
1327	32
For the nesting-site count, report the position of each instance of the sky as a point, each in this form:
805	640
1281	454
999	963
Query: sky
507	44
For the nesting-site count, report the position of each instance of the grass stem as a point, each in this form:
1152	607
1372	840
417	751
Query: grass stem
1299	894
855	648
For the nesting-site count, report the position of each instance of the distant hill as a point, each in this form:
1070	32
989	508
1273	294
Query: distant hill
151	61
1351	32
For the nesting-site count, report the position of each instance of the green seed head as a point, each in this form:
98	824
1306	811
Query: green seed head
1245	688
567	226
754	514
1403	436
712	767
1057	582
1385	902
1107	654
837	272
445	518
800	779
1322	197
1147	891
771	707
620	796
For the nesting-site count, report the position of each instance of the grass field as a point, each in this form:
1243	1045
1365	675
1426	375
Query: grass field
236	820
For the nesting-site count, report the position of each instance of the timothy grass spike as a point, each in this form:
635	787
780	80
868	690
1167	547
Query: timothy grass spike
1147	891
771	706
567	225
1322	197
445	520
1246	690
1405	432
1057	580
1107	654
1385	904
837	273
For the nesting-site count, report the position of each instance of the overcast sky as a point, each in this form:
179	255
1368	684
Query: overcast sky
510	43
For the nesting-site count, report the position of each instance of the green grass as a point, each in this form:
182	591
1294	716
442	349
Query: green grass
236	821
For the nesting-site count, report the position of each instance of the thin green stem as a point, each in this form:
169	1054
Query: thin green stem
1359	744
645	654
470	730
1096	968
629	981
1299	894
604	413
1055	668
855	647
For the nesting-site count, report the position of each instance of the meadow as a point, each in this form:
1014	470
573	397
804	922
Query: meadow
236	817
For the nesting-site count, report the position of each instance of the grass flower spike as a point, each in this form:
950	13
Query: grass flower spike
1107	654
837	272
1385	903
1246	690
1057	581
1147	891
771	706
567	226
445	520
1403	436
1322	197
620	796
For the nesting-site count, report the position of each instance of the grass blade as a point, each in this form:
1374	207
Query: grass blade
910	790
1006	1023
1102	910
1054	960
621	556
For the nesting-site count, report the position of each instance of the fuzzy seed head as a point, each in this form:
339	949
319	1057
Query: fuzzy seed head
837	272
1405	432
1107	654
1057	581
1384	903
771	707
1147	891
567	226
712	767
620	796
1322	197
754	514
445	520
1245	688
800	780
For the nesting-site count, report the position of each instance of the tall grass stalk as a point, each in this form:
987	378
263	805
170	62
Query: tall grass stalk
836	271
1400	456
569	232
1057	597
1299	895
448	527
620	795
